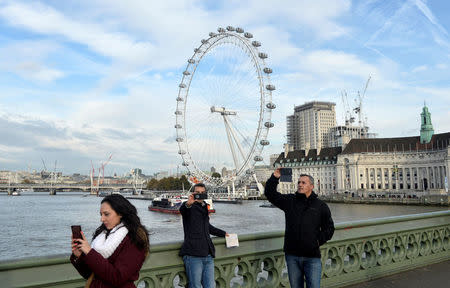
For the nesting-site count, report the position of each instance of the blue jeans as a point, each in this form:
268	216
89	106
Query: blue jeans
199	271
299	268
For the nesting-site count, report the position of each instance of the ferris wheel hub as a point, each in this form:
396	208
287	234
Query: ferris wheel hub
222	111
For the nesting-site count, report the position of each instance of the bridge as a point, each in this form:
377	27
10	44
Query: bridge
359	251
62	187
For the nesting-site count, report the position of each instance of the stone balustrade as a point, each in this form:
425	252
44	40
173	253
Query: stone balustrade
359	251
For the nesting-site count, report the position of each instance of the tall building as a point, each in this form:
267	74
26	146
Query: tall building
309	126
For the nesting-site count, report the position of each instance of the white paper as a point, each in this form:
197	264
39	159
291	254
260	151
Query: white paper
232	240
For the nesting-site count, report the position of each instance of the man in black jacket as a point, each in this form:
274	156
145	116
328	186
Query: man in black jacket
308	225
198	250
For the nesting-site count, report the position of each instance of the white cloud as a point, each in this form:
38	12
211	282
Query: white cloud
45	20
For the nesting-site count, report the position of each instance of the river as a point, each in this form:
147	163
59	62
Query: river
37	224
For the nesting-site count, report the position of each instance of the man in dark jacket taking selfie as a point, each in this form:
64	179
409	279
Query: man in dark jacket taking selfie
308	225
198	250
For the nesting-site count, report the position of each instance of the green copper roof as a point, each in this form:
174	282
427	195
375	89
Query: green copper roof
426	128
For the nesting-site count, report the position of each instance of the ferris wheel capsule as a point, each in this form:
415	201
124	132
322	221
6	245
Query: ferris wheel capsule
182	85
179	99
191	61
264	142
179	139
186	73
212	34
256	44
178	126
185	163
262	55
239	30
270	87
269	124
271	105
178	112
181	152
258	158
204	41
267	70
220	30
248	35
230	28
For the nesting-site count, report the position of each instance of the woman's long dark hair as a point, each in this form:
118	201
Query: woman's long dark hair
136	231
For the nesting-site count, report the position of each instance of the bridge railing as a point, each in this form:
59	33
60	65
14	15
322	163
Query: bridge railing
359	251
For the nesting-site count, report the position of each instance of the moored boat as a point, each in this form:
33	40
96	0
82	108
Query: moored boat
228	200
267	204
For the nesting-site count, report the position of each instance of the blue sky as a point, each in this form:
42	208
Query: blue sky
80	80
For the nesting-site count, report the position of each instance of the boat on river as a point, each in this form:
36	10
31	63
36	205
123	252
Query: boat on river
172	205
228	200
267	204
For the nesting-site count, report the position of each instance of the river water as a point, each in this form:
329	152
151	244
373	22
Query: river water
37	224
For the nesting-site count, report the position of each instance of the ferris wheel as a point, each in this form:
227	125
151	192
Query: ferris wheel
224	108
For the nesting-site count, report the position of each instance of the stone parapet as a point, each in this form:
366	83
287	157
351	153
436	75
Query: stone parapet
359	251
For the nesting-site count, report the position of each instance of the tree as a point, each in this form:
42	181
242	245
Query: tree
215	175
152	184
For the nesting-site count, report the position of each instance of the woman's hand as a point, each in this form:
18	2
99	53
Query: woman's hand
75	249
80	246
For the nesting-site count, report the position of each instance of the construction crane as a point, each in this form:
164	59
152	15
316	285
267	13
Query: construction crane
92	175
348	117
358	108
101	171
43	162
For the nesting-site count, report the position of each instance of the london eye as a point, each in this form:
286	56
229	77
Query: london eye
224	107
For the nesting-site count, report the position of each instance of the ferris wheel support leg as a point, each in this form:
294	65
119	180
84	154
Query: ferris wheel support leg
235	139
233	152
259	185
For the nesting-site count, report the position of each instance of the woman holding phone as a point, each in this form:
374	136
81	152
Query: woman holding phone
118	249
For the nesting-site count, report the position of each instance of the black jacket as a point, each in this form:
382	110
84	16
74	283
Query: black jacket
308	220
197	241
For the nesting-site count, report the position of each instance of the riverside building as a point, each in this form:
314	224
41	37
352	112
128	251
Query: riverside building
399	167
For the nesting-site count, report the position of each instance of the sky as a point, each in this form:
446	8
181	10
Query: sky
83	80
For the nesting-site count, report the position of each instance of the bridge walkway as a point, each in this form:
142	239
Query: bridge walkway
435	275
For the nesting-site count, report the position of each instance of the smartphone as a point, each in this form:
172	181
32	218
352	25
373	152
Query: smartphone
201	196
286	171
286	174
76	232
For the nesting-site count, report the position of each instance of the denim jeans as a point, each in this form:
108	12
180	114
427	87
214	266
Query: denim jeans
303	268
199	271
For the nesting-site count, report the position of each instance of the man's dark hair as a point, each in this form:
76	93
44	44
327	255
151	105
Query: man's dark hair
199	185
311	179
